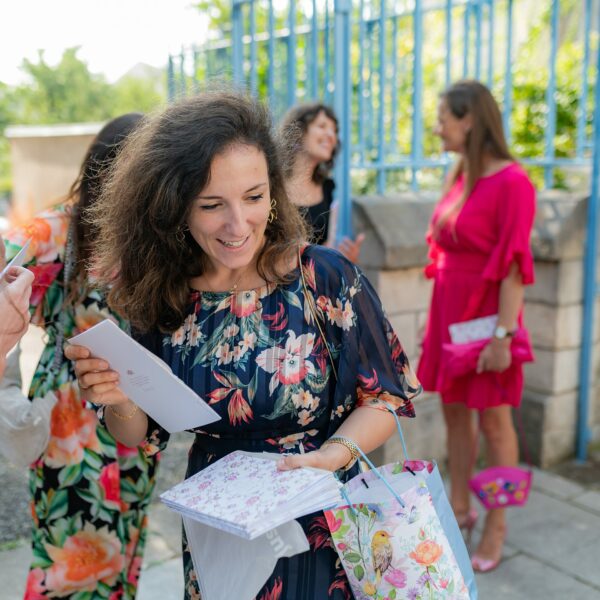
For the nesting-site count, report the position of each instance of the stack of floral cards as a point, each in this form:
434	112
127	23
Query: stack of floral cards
245	494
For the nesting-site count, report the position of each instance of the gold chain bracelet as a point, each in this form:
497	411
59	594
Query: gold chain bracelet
124	417
347	443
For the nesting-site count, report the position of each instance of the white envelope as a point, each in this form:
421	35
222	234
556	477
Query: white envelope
147	380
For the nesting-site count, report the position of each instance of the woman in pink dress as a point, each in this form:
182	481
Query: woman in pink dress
480	262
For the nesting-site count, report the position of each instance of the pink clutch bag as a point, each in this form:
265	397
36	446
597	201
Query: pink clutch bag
497	487
460	359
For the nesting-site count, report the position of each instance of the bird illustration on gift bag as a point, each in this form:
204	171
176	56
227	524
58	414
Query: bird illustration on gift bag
381	550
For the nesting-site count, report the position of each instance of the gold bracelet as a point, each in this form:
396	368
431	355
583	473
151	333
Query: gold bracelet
347	443
124	417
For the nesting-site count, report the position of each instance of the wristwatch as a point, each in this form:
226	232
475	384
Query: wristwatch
501	333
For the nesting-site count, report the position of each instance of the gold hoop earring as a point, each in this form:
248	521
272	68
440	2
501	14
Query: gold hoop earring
273	211
180	236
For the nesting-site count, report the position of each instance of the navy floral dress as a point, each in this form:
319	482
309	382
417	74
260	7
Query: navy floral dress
258	358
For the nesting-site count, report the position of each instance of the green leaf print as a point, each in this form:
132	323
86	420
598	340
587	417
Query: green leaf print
58	504
283	404
106	440
70	475
359	573
93	460
292	299
352	557
392	595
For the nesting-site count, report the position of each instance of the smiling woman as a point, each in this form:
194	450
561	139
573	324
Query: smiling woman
207	257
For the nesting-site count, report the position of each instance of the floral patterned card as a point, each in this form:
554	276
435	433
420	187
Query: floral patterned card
245	494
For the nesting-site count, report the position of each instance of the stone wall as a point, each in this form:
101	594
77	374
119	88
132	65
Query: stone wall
45	162
393	257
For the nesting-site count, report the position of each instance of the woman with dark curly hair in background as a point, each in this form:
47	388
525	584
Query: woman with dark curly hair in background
310	134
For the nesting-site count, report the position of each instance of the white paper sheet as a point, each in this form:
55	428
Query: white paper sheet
156	391
217	555
17	261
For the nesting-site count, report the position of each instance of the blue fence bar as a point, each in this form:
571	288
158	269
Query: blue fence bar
551	95
589	283
508	85
293	58
418	89
381	150
342	107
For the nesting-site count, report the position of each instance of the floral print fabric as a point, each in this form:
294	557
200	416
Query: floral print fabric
89	494
258	358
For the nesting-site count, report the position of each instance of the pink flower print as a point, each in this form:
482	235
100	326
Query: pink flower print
342	546
290	441
342	314
194	336
224	354
289	365
444	583
189	322
304	399
178	337
249	341
231	331
244	303
305	417
395	577
252	500
333	523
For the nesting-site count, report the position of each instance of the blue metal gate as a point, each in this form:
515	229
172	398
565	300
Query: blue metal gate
382	64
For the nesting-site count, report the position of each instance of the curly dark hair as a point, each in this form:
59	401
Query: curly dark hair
146	202
292	130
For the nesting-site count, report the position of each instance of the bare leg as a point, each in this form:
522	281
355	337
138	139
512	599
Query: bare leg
502	449
461	455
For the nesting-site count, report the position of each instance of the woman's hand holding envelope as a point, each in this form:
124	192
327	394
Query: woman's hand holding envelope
100	385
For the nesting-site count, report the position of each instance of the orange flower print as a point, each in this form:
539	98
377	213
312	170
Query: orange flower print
110	483
72	429
426	553
86	317
38	230
87	557
239	410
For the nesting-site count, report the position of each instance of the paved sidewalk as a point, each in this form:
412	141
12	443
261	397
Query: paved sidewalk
552	551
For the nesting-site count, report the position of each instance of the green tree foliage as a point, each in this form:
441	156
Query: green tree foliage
66	93
69	93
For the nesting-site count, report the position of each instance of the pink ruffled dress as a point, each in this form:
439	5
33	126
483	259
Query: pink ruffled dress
470	257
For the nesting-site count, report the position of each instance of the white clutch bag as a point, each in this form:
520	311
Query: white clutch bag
473	330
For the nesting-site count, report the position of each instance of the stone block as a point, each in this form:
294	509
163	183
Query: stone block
557	282
553	372
556	327
405	326
550	424
425	435
402	290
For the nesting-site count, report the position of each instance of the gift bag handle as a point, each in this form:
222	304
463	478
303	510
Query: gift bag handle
379	475
399	428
